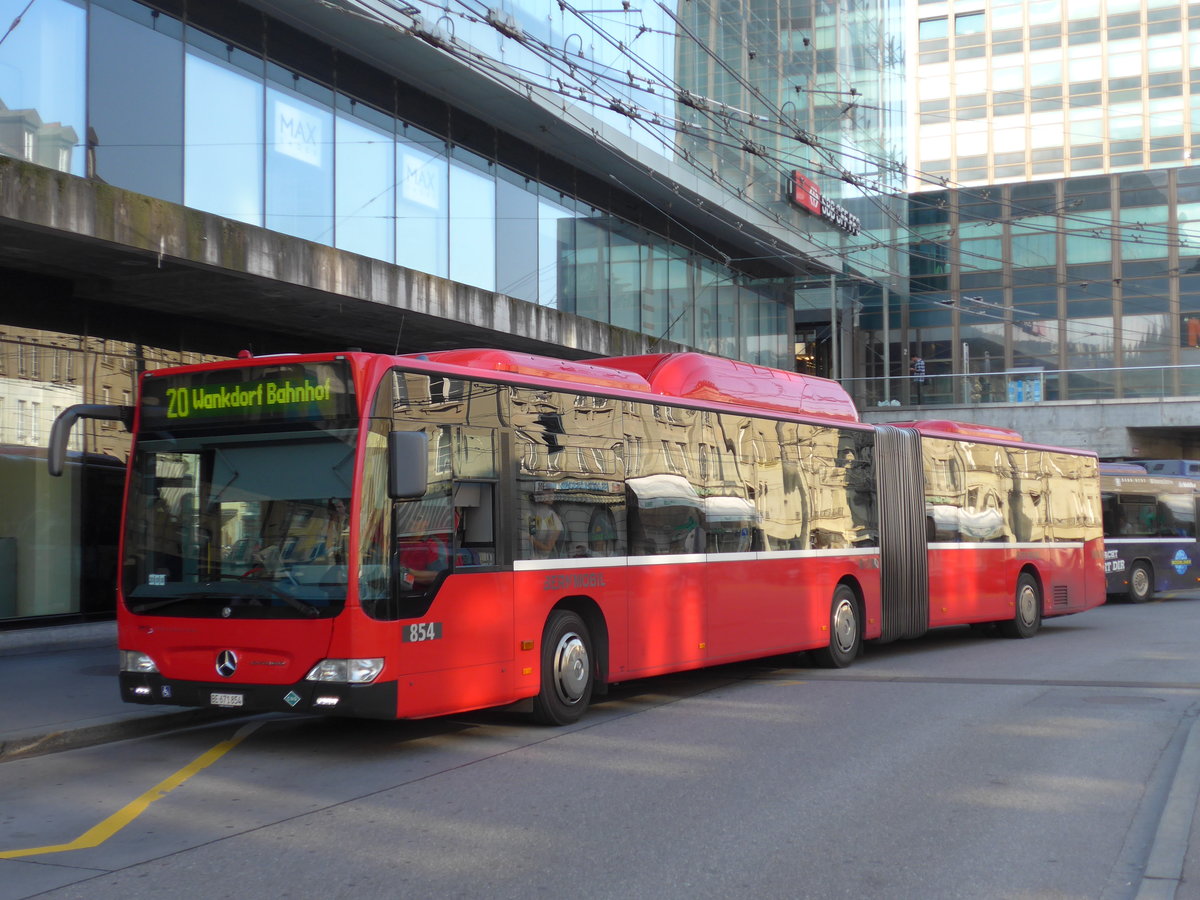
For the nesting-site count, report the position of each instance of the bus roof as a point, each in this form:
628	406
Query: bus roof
1135	479
696	376
681	376
1122	469
576	372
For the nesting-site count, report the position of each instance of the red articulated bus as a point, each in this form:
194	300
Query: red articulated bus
409	536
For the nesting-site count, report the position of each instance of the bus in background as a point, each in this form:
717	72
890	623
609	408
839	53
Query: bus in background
409	536
1186	468
1149	532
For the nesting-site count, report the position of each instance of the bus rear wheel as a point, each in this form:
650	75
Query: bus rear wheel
845	632
1141	583
1028	617
567	671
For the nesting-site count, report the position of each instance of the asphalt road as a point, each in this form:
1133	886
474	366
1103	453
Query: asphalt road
957	766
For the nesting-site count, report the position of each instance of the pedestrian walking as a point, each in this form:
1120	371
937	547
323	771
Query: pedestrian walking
917	370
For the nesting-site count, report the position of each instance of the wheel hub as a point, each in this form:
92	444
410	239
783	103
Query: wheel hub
844	628
1141	581
571	668
1027	605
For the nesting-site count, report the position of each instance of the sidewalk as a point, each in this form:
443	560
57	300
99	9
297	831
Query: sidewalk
62	692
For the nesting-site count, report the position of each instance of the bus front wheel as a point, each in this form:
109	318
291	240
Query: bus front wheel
567	670
845	632
1141	583
1028	616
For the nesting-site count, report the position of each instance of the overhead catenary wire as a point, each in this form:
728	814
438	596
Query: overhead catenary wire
722	121
727	128
632	111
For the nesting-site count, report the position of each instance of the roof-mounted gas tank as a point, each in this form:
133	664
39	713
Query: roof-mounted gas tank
695	376
679	376
585	374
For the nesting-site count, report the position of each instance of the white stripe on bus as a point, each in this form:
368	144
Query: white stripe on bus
683	559
671	559
991	545
1149	540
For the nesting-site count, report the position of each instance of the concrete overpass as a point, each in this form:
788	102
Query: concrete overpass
87	258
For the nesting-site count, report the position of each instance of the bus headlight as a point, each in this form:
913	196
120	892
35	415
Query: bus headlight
133	661
346	671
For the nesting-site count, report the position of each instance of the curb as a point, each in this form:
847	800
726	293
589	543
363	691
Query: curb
1164	869
106	731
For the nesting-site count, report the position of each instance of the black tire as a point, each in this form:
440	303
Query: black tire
568	670
845	631
1141	583
1028	617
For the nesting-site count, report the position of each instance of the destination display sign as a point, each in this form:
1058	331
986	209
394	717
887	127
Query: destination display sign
290	392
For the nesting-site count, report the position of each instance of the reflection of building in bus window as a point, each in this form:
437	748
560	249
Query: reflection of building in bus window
545	531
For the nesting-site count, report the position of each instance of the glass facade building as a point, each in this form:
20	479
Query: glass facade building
1015	91
1052	225
216	106
244	124
233	118
58	536
1087	287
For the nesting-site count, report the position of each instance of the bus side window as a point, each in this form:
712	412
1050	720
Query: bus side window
475	536
1112	516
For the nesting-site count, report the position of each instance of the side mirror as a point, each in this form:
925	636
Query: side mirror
408	463
60	432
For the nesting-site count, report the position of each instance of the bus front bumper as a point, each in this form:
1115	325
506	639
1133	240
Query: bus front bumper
364	701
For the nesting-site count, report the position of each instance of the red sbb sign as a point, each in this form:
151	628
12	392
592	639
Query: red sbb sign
807	195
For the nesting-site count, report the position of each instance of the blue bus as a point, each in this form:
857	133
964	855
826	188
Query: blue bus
1149	532
1189	468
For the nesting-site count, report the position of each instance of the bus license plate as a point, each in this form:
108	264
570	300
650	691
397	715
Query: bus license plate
225	699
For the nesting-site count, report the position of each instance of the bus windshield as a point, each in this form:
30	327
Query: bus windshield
240	526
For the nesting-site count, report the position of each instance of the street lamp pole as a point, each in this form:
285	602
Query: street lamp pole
835	332
887	346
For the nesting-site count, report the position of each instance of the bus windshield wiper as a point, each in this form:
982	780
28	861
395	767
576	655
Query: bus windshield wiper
269	589
151	605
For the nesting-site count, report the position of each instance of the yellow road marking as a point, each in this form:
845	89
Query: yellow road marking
98	834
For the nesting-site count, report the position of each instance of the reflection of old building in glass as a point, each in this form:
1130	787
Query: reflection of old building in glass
43	521
24	135
985	492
